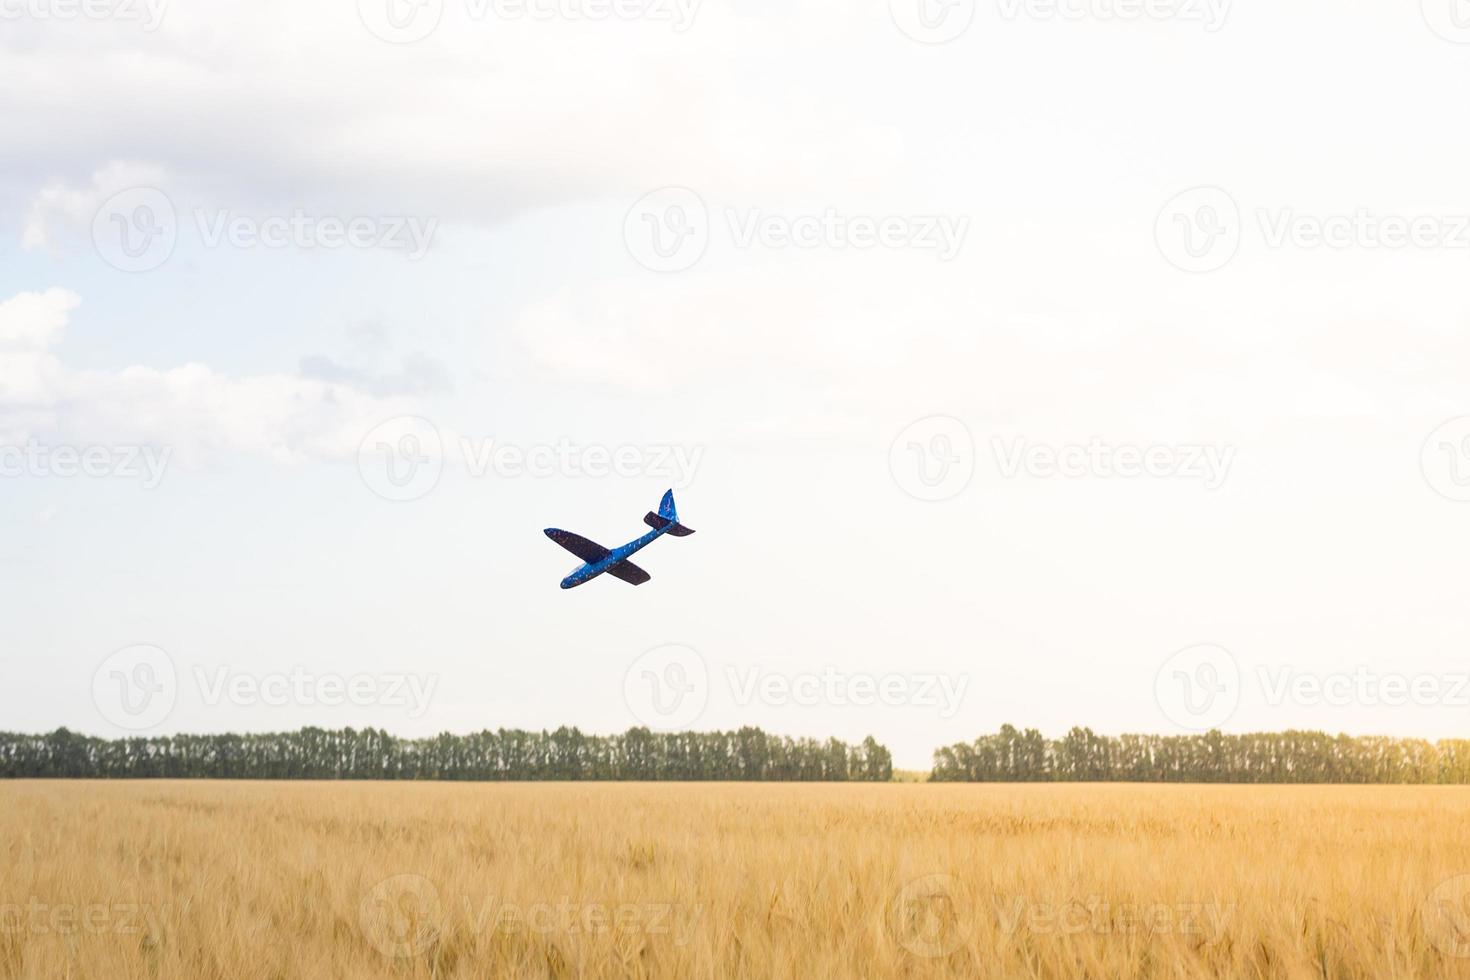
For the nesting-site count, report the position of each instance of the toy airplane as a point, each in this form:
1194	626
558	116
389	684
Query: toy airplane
597	559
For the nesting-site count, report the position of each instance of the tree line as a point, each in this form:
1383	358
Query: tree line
750	754
316	753
1266	757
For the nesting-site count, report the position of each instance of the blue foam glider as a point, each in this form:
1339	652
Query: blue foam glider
596	559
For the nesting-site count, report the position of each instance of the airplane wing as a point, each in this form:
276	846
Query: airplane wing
629	572
588	551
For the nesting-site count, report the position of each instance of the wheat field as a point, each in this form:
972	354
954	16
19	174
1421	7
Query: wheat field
195	880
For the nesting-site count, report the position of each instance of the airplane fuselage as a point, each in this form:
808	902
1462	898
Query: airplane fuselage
590	570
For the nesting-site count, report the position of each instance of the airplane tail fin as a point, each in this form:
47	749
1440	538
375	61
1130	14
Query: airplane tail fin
667	517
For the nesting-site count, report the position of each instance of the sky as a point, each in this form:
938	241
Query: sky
1050	362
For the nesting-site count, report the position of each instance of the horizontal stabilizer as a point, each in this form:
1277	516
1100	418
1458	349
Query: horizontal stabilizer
588	551
677	530
629	572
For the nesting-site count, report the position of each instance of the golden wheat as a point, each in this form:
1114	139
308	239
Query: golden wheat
200	880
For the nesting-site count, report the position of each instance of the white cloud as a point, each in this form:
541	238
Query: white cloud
268	103
62	206
31	322
198	411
